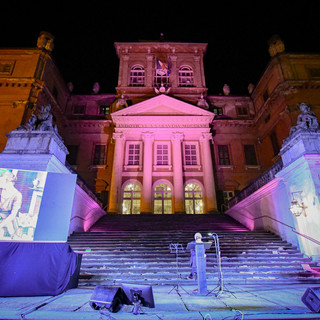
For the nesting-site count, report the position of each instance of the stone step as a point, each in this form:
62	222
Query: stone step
136	249
212	283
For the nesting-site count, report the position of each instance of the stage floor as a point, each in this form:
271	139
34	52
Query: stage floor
235	302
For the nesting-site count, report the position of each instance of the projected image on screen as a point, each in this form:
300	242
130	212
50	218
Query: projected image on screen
20	197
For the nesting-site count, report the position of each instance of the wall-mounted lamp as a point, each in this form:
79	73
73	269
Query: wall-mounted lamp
297	207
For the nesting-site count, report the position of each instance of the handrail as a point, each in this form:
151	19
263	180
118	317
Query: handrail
258	183
292	228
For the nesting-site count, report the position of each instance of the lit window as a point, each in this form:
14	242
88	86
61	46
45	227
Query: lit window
185	76
217	110
131	199
191	154
104	109
162	195
193	199
133	154
162	154
137	76
99	154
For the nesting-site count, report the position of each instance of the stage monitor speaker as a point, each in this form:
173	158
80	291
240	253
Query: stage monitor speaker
311	298
109	297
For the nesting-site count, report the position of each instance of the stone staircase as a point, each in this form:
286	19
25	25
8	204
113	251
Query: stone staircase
135	249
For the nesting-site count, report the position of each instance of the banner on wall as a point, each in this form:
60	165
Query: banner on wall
35	205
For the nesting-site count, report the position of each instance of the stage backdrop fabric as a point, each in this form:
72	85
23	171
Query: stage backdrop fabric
35	269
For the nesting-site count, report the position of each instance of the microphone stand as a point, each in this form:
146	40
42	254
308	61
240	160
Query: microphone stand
220	285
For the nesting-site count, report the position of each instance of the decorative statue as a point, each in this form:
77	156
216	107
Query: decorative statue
226	90
41	121
276	45
122	102
162	89
96	87
202	103
45	41
307	122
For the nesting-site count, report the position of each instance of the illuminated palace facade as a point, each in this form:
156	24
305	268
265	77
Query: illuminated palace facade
161	144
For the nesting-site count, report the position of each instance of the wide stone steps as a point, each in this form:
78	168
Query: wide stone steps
136	249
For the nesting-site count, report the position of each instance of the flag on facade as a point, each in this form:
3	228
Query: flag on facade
162	69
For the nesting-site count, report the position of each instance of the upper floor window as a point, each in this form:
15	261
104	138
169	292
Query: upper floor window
242	110
133	153
137	75
223	155
217	110
191	154
73	154
79	109
274	143
104	110
162	154
99	154
185	76
161	77
250	155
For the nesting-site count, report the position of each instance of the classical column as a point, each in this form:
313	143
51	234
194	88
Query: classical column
115	187
176	139
123	71
149	71
146	201
208	178
174	73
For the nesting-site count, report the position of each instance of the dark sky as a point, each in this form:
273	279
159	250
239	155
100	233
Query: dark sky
237	34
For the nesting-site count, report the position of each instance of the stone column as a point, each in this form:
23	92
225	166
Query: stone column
173	74
146	201
176	139
208	178
149	71
124	71
116	177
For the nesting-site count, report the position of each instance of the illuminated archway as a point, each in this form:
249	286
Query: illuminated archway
193	198
162	198
131	198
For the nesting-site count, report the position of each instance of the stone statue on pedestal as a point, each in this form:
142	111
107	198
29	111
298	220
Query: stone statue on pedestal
41	121
307	122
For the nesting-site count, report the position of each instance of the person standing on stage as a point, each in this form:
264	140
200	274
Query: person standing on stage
193	260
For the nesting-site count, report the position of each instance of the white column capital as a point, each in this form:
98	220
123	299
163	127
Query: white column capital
147	136
177	136
118	136
206	136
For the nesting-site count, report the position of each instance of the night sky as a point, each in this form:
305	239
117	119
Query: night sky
237	34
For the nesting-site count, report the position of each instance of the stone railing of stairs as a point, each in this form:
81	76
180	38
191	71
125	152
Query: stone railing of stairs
135	249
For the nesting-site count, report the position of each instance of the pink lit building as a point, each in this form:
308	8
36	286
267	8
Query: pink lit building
161	144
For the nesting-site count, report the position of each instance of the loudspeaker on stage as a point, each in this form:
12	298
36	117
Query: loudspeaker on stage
311	298
109	297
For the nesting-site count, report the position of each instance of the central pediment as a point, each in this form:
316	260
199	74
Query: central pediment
162	105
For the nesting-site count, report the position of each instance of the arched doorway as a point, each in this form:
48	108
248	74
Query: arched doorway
162	199
131	199
193	198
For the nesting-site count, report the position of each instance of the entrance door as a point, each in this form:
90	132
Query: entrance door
193	198
131	199
162	195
